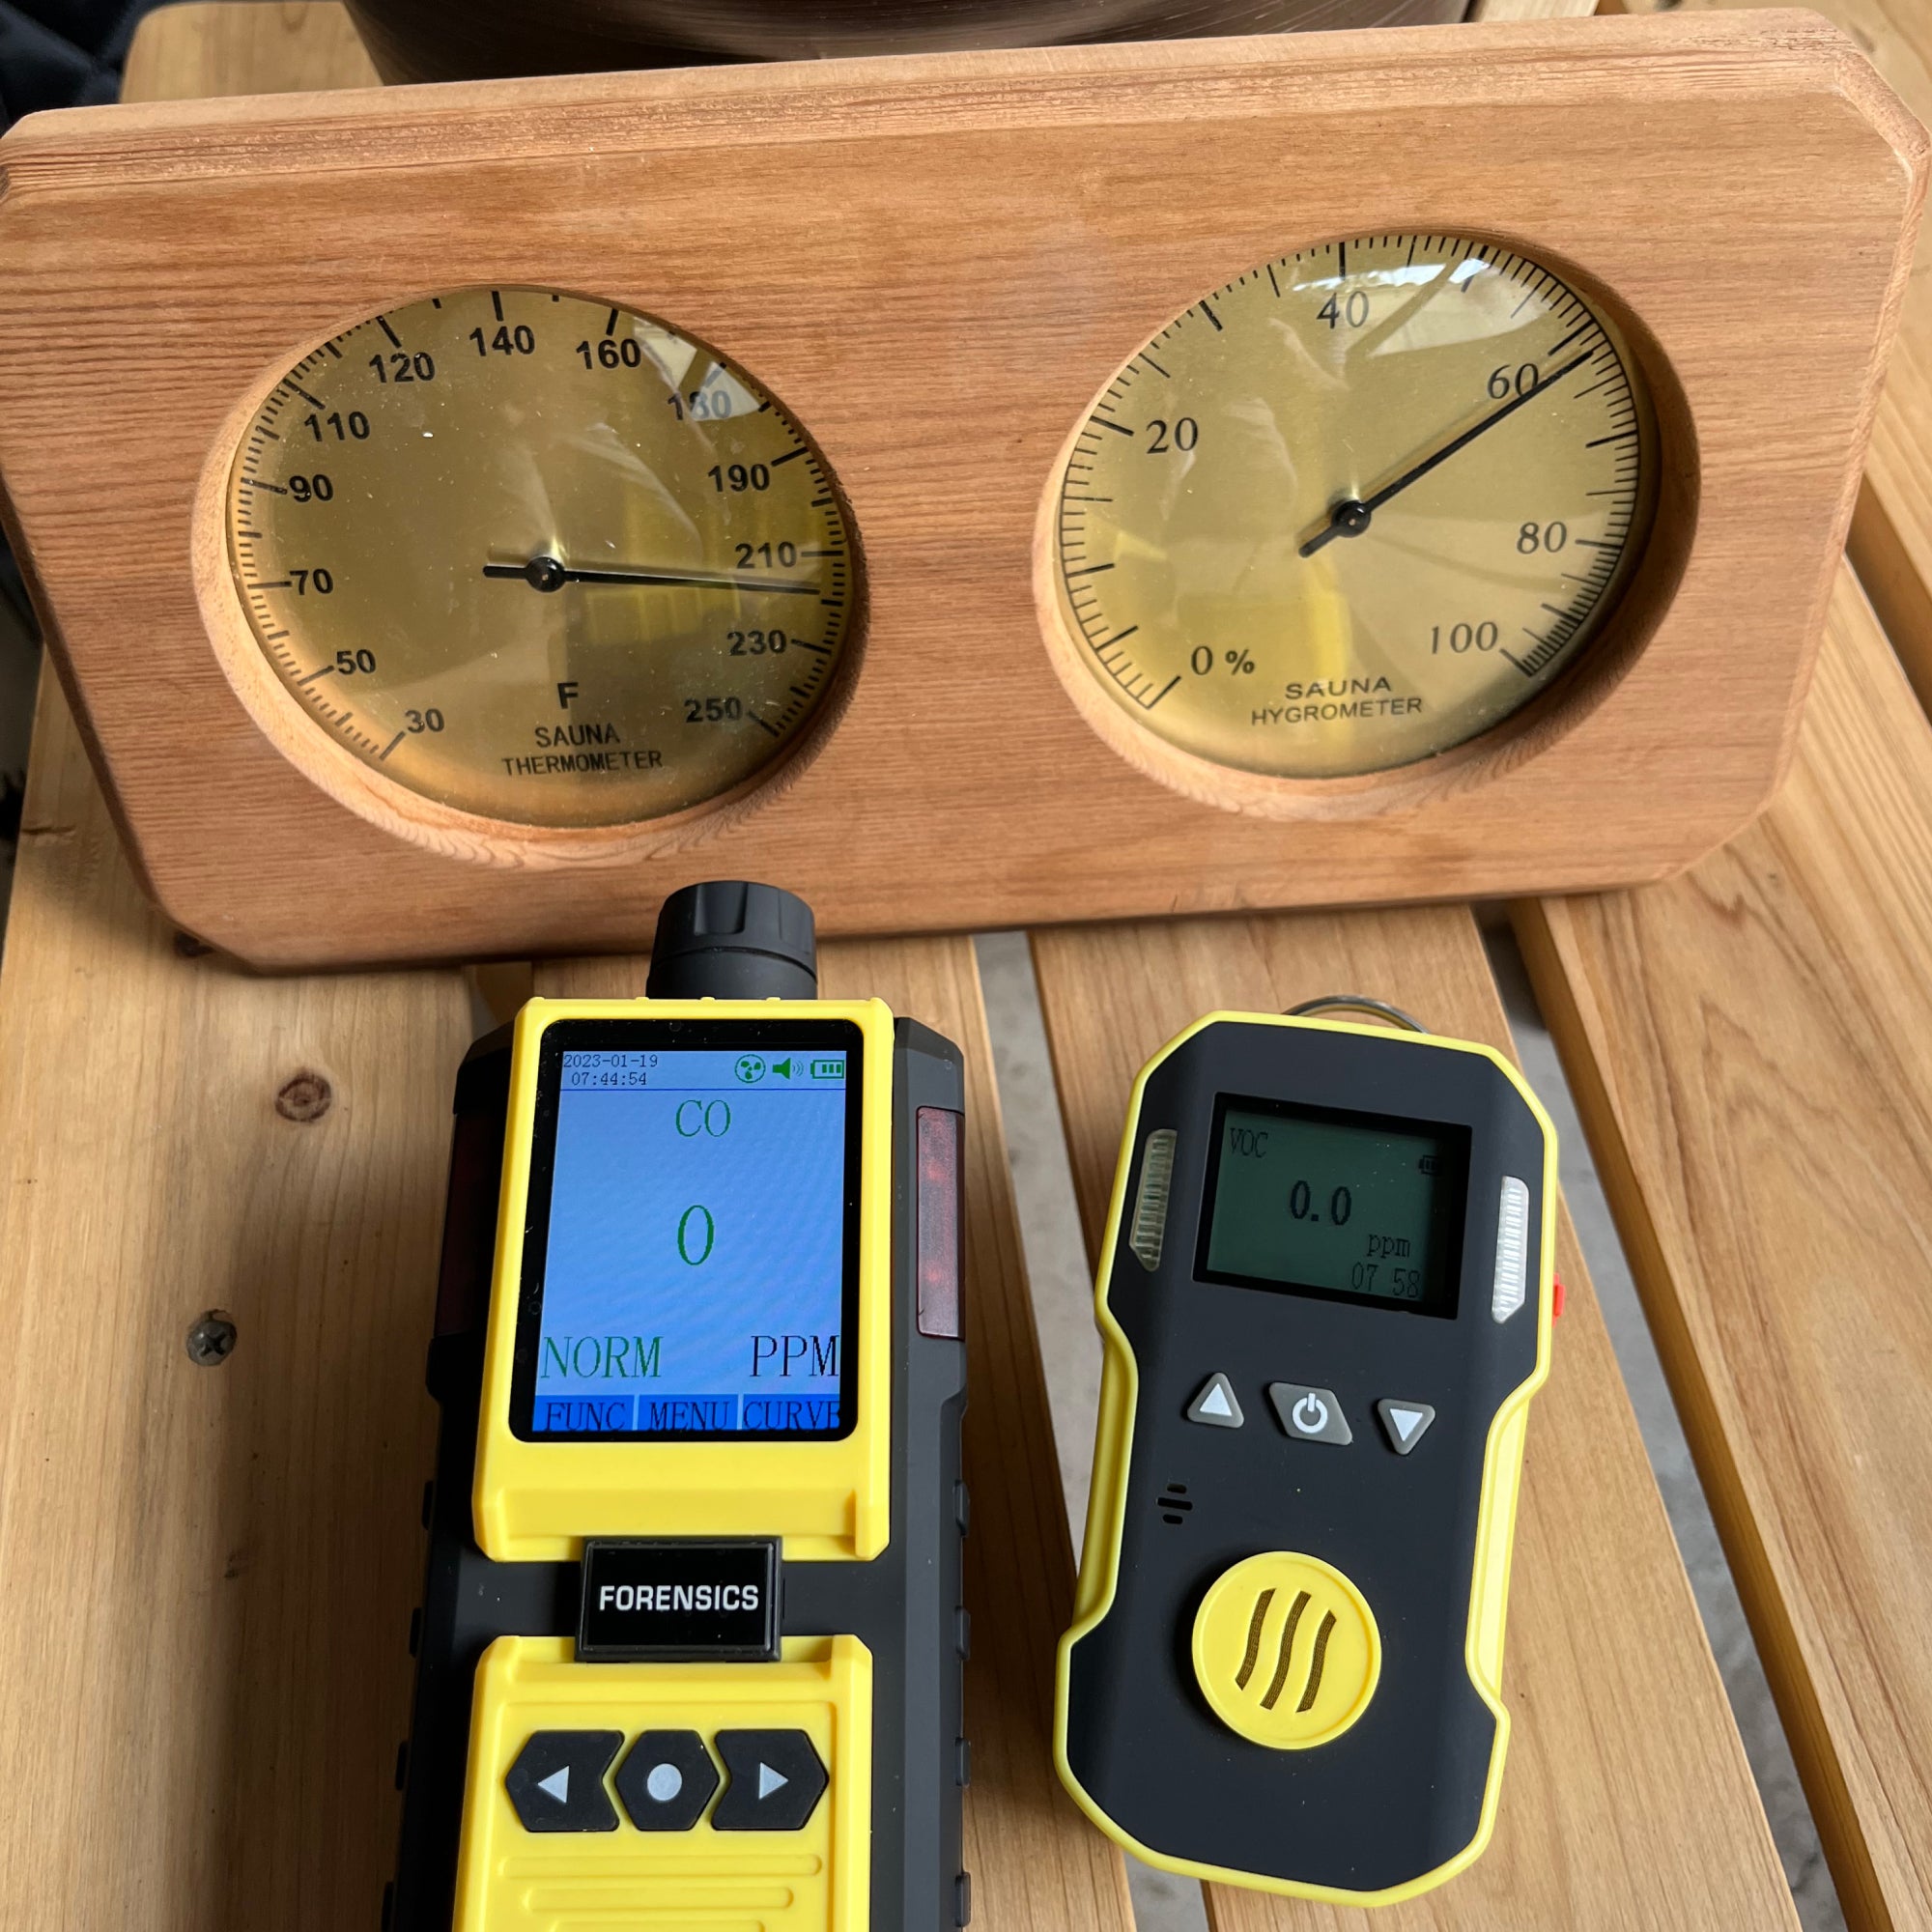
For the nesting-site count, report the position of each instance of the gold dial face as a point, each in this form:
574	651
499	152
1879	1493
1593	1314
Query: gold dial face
541	560
1356	507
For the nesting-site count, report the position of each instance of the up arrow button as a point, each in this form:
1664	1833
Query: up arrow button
1214	1405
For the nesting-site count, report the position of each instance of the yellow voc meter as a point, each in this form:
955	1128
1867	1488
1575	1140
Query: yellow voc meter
690	1646
1324	1295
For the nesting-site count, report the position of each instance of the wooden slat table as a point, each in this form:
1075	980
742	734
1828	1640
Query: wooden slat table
1750	1045
207	1573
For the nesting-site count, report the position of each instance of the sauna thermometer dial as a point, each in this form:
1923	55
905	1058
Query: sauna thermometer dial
541	560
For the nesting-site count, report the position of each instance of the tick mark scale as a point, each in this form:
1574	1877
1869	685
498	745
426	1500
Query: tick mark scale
643	690
1324	517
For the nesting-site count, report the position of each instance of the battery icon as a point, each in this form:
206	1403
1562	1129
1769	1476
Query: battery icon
828	1070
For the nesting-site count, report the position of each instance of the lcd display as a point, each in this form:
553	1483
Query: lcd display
696	1273
1304	1201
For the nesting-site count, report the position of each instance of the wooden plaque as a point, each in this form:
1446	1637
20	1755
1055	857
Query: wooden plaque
936	264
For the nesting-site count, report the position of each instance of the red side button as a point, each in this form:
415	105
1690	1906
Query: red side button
1556	1298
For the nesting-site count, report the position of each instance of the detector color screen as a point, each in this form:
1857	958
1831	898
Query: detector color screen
694	1273
1308	1202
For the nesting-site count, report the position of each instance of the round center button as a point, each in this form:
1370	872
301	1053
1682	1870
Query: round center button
666	1780
1285	1650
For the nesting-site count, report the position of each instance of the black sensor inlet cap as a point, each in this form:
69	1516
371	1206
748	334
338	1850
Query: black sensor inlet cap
730	939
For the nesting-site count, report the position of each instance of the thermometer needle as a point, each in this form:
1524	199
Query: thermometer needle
548	573
1349	517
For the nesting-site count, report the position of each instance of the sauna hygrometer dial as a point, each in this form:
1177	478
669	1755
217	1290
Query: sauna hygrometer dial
1355	507
540	559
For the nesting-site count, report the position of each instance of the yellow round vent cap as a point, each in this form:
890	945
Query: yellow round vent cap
1285	1650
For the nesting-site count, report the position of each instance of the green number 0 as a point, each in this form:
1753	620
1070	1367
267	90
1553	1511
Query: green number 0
683	1231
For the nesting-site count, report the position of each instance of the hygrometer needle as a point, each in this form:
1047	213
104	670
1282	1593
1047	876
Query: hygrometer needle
1349	517
548	573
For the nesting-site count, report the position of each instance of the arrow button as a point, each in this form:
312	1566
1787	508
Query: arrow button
1214	1405
557	1783
1406	1423
777	1781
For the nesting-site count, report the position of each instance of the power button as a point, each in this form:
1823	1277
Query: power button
1310	1414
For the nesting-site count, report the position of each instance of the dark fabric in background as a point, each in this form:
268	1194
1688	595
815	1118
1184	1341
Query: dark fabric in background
62	53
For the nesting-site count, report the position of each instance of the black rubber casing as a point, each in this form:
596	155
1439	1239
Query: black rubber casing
1400	1793
904	1604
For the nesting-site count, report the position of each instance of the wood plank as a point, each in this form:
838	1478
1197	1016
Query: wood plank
1626	1801
1886	555
1752	1049
1035	1861
1576	134
1890	542
206	1573
1533	10
203	48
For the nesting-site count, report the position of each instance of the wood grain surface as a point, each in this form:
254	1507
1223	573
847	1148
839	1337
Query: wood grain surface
1625	1801
1532	10
1036	1861
205	48
207	1572
1751	1048
1892	533
911	278
1890	542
